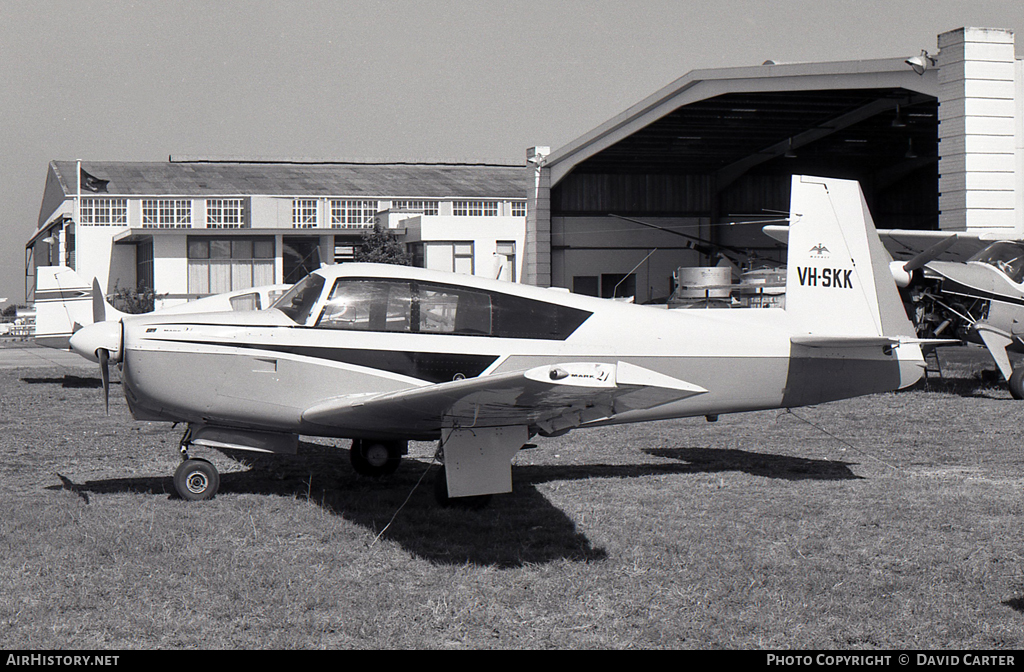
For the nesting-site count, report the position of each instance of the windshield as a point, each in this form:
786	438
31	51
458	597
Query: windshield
1008	257
300	299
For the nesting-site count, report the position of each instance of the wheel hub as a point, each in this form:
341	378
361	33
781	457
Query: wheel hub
376	455
197	482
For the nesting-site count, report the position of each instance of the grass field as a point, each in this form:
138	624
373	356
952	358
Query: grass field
891	521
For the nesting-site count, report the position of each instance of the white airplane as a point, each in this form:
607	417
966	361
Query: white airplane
969	284
386	354
65	303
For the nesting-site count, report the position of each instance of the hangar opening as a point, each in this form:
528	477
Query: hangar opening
691	174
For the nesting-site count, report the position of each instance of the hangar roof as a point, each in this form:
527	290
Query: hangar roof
862	114
299	178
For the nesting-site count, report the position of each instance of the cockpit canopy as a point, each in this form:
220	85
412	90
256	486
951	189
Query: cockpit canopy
408	305
1005	255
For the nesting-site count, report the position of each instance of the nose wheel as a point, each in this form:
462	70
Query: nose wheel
195	479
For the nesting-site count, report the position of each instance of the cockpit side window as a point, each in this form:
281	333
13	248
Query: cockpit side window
410	306
368	305
250	301
298	301
1007	256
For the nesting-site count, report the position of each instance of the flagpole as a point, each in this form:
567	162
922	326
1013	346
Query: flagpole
78	207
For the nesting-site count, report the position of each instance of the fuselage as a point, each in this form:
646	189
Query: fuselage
262	369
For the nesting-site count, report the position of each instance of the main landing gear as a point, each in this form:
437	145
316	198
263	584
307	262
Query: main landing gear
1016	382
377	458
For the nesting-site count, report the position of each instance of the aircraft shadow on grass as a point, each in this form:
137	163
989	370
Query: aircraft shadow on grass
515	529
69	380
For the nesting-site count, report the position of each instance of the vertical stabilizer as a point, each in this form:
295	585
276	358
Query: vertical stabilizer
65	303
838	280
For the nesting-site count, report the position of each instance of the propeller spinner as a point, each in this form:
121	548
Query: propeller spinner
100	342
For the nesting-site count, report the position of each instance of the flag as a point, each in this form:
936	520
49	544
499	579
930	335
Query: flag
91	182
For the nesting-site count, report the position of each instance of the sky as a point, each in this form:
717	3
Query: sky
119	80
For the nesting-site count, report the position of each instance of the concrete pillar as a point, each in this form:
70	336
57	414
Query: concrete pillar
537	255
977	131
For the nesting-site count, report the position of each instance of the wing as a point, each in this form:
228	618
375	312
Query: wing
905	244
551	398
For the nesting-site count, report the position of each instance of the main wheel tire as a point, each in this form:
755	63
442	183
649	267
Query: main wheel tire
376	458
1016	383
473	502
196	480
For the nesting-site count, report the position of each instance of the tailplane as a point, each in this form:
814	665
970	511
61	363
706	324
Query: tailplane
64	304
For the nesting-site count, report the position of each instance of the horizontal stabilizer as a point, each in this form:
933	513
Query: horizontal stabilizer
812	341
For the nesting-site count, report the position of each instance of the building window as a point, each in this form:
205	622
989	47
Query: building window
344	252
506	251
422	207
304	213
475	208
144	265
104	211
518	208
166	214
217	265
225	213
353	214
451	257
618	285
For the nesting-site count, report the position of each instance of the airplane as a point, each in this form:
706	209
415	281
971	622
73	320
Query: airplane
65	303
986	292
382	354
967	283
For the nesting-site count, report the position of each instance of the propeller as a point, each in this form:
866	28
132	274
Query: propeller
100	342
922	258
903	270
104	356
99	303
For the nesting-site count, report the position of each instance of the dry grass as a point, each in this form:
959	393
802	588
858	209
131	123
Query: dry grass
759	531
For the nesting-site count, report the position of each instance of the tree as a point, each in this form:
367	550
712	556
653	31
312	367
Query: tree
381	246
134	301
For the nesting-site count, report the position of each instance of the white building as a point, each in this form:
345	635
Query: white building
193	227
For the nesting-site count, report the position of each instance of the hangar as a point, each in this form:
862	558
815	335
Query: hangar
696	169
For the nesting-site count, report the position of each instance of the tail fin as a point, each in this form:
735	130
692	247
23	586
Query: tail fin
64	304
838	280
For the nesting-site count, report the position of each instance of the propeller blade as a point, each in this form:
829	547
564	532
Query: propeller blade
104	358
99	304
930	254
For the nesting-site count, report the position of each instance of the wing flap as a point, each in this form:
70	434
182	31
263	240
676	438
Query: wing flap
551	397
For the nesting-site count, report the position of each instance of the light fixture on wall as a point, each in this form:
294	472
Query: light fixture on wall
911	154
790	154
898	121
920	63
